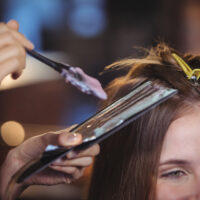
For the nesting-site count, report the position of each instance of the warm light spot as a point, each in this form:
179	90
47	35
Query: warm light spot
12	133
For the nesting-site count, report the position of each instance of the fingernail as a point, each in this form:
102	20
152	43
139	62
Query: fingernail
15	75
72	139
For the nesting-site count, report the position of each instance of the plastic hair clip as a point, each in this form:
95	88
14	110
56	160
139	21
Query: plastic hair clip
193	75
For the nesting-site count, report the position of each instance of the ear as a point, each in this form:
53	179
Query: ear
13	24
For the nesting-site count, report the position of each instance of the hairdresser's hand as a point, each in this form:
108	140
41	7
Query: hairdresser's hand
12	52
61	171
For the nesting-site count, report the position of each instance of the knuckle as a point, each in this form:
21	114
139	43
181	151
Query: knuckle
8	36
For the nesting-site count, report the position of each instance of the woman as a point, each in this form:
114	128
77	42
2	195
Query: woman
158	155
12	61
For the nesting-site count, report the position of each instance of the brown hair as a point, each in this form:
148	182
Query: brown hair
126	168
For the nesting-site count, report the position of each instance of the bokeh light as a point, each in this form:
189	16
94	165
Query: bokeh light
88	19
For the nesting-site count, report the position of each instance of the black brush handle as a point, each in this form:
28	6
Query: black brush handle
51	63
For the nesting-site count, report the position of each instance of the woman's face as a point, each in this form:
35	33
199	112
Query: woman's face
179	167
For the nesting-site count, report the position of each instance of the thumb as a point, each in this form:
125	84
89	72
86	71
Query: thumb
67	139
34	146
13	24
62	138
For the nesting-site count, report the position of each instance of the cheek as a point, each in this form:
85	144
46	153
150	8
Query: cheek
166	191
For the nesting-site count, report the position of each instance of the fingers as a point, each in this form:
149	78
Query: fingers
12	60
92	151
80	162
15	36
71	173
35	146
22	39
64	139
9	66
73	164
13	24
12	52
7	39
67	139
65	169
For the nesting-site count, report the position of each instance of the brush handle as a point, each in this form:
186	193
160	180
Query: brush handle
51	63
73	75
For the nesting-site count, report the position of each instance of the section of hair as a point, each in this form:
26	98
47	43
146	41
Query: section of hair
126	168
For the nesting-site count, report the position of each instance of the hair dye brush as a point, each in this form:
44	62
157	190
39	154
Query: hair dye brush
143	97
73	75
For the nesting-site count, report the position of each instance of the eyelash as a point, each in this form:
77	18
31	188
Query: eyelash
174	174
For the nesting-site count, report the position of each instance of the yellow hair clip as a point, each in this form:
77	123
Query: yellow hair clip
191	74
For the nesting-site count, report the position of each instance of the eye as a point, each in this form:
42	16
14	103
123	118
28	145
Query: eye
174	174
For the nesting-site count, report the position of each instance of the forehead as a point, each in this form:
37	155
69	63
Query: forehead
182	139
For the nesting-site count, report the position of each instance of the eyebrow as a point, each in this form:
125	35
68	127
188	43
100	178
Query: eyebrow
174	161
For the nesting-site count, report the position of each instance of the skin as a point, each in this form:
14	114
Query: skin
65	170
12	52
179	167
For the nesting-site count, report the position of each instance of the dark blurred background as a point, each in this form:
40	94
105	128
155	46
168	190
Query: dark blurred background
90	34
